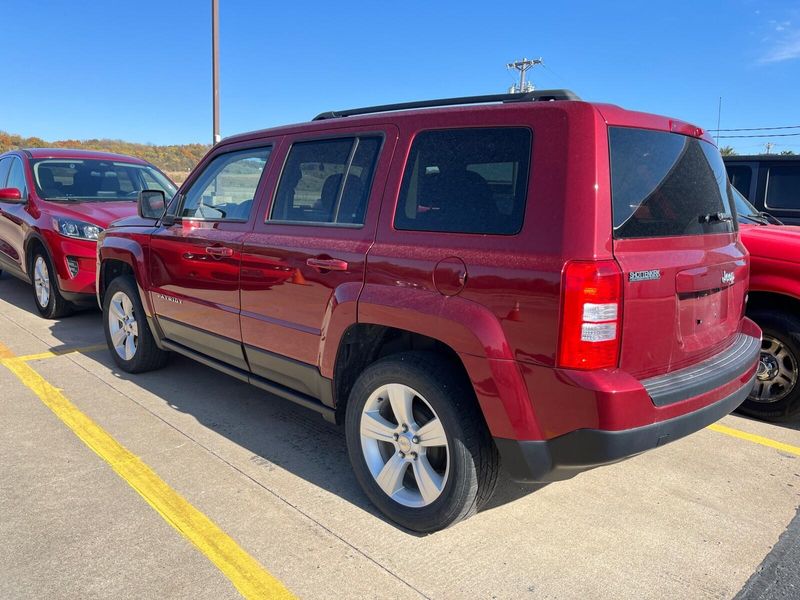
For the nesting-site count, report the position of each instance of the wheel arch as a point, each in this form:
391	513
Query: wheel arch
119	256
759	299
33	241
363	344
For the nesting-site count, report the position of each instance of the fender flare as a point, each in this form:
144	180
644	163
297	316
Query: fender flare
775	284
469	329
127	251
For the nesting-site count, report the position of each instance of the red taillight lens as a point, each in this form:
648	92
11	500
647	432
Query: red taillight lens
591	315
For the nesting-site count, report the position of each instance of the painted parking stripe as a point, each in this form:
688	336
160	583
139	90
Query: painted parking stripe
250	578
54	353
756	439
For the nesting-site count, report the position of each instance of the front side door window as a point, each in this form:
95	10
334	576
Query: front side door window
225	190
16	177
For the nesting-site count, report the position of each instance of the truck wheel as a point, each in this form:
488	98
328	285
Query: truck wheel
127	333
776	394
46	296
418	443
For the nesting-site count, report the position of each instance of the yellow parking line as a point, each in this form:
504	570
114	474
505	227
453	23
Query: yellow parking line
54	353
756	439
249	577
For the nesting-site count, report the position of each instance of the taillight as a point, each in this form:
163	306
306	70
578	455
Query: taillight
591	315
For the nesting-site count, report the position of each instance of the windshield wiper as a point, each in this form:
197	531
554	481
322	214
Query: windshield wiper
717	217
755	219
62	198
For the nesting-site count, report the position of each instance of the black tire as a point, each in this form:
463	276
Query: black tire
784	327
56	306
474	460
147	355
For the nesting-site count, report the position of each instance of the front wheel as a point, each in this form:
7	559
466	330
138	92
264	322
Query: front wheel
776	394
46	295
418	443
128	335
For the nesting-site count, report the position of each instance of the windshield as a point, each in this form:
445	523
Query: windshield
746	212
96	180
666	184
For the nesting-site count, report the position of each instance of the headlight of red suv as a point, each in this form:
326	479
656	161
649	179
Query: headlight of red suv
76	229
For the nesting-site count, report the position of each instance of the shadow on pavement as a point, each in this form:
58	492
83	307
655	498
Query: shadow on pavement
276	432
83	328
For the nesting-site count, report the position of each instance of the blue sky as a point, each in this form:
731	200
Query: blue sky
140	71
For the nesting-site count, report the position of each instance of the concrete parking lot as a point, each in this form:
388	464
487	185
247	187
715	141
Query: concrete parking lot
185	483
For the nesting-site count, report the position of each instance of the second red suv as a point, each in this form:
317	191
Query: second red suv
53	204
532	278
774	304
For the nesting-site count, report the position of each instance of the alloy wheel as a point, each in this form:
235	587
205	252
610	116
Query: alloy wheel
777	372
41	281
123	326
404	445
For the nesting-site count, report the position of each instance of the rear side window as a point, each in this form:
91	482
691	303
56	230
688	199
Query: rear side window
466	181
741	176
326	182
666	184
783	187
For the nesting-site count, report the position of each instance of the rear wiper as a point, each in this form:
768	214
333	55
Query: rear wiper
714	217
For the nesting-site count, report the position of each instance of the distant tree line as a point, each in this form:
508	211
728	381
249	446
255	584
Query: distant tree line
171	158
730	151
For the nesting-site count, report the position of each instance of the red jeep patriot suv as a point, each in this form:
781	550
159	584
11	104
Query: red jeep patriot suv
527	277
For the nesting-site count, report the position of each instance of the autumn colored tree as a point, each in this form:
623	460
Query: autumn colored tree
171	158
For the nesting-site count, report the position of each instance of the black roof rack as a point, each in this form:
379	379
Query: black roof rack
534	96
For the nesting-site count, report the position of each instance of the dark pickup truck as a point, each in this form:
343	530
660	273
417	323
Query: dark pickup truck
770	183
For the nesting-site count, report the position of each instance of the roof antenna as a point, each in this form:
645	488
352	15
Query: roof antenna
523	66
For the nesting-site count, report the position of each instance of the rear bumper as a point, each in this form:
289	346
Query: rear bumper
567	455
598	418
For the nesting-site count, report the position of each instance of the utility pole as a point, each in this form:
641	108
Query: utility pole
523	66
769	146
215	65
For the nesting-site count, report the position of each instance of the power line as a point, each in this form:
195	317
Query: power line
759	128
762	135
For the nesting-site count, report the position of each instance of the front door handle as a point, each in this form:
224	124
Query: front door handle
327	264
219	251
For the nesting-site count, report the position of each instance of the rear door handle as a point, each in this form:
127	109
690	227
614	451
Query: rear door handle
219	251
327	264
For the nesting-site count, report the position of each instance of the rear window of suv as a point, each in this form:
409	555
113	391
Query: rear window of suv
466	181
667	184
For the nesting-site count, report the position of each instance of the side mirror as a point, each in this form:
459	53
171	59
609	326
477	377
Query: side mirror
11	195
151	204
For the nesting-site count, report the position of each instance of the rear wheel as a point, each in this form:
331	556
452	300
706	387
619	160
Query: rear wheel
46	295
418	443
128	335
776	394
